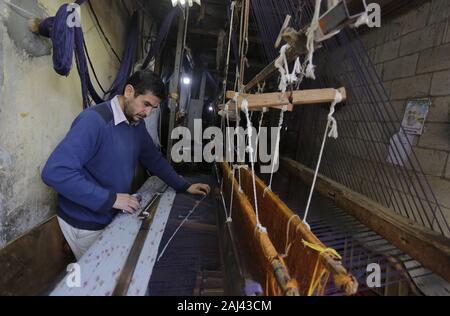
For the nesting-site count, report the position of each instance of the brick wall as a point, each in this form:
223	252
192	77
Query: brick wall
412	55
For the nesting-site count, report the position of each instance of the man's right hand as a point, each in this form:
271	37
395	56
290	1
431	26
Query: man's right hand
126	203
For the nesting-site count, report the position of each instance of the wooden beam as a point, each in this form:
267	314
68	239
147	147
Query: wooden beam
215	34
268	71
232	107
429	248
330	21
32	263
300	97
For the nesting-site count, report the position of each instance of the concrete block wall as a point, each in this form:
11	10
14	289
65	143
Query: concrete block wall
413	52
411	55
37	107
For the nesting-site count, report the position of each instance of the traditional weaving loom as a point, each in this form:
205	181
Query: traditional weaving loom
319	245
265	219
288	258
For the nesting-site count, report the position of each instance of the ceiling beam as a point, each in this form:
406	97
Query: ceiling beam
215	33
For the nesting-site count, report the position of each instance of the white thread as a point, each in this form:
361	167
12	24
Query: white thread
282	65
277	144
235	98
250	133
310	43
181	225
266	190
362	20
287	247
332	126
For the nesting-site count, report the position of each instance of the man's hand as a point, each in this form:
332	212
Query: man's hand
199	189
126	203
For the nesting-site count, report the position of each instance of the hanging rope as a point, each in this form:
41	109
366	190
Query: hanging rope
244	106
287	246
197	204
286	79
330	131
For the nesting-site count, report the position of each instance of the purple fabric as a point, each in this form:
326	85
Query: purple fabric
128	58
162	35
67	40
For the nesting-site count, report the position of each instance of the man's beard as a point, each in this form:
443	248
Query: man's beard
129	116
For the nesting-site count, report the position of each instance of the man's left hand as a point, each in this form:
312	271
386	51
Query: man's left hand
199	189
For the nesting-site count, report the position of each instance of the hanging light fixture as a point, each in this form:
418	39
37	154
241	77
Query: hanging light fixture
184	2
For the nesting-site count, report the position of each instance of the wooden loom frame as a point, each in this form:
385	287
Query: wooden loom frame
270	202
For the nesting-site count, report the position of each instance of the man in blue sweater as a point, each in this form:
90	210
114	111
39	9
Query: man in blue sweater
93	167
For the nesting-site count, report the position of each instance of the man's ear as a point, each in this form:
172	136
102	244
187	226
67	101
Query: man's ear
129	91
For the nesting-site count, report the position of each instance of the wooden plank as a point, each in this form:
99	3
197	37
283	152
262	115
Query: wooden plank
232	107
277	99
33	262
102	264
429	248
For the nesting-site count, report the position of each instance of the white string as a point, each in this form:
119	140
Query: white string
277	149
286	78
244	107
229	218
235	99
287	247
282	65
227	130
310	43
264	110
330	131
181	225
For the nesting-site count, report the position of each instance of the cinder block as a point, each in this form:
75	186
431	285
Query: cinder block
413	20
429	161
447	34
442	220
441	189
440	10
436	136
434	59
440	85
425	38
387	51
369	38
418	86
439	110
447	169
400	68
399	109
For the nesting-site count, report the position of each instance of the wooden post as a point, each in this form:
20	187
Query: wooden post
278	100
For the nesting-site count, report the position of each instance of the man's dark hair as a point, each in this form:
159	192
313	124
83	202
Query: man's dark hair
145	81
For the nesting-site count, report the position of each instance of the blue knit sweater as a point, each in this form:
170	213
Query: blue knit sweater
97	160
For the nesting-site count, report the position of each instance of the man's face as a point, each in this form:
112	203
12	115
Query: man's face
140	107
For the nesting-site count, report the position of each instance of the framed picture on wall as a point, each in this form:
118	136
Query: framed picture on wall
415	115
